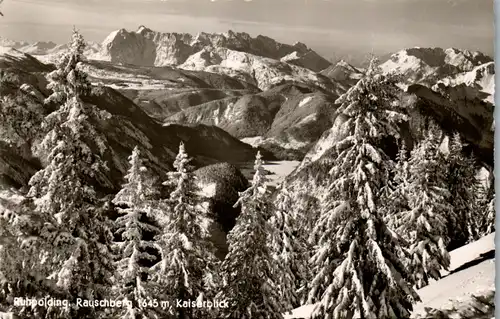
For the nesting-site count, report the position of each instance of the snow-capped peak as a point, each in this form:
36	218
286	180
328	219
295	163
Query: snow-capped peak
429	65
142	29
112	36
12	44
300	46
344	64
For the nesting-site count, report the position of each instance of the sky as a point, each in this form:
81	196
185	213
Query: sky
334	28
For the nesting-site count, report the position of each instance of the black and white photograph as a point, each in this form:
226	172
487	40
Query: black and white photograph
247	159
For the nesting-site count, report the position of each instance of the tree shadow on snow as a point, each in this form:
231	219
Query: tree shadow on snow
483	257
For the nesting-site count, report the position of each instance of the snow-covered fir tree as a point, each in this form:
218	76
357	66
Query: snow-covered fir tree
69	83
288	249
68	79
134	201
424	224
19	115
250	273
397	189
306	209
462	184
76	236
359	263
19	265
187	269
77	249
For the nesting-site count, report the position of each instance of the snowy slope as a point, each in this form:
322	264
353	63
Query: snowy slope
457	287
288	118
11	57
278	171
262	71
8	51
39	47
310	60
327	140
428	65
343	72
481	77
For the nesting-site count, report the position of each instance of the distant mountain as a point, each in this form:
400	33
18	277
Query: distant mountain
38	47
457	110
150	48
309	60
343	72
288	117
273	95
49	52
21	79
427	66
262	71
4	42
261	61
481	80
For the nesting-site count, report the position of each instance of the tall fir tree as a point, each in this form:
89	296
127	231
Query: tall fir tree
424	224
187	269
134	201
69	83
359	263
462	184
288	249
250	273
76	237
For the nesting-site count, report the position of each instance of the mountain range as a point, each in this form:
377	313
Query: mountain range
231	86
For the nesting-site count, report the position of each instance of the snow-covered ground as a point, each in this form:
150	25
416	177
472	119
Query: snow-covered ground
255	141
279	170
462	284
457	287
305	101
291	144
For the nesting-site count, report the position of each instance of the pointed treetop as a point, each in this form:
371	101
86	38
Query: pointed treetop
456	143
182	158
373	67
134	158
136	164
68	81
259	180
258	160
77	42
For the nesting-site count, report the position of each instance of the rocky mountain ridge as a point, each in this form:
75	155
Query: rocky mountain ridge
248	86
147	47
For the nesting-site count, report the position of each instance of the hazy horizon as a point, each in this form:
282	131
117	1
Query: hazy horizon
332	27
